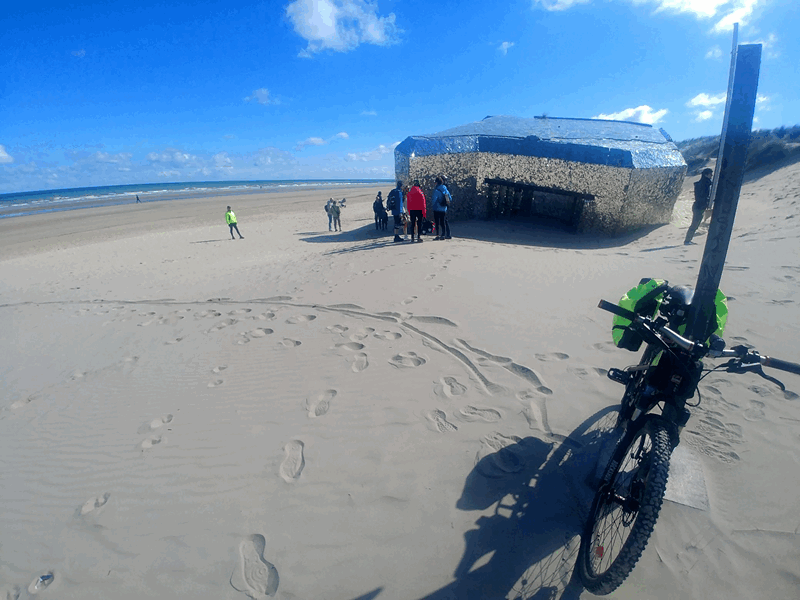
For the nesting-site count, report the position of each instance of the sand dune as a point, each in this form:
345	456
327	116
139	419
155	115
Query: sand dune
305	415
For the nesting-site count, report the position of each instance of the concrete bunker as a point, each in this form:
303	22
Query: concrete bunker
589	174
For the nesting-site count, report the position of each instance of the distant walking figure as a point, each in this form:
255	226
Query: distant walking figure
702	196
137	199
230	219
377	208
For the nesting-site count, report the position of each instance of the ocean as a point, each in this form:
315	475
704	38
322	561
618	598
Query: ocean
28	203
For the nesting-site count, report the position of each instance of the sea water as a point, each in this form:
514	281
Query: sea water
27	203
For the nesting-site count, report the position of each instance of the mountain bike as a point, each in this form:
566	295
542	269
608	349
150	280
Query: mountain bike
652	414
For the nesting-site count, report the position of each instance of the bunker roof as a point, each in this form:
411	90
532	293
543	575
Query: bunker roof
596	141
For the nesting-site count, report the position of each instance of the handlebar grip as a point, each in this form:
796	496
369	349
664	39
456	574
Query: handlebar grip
781	365
617	310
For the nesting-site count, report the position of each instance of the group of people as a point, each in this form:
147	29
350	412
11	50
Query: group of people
334	210
409	210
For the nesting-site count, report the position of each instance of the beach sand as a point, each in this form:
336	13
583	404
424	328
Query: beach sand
309	415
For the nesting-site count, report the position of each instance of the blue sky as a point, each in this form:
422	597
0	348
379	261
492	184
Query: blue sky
110	93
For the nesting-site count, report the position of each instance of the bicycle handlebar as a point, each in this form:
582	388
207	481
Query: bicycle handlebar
741	352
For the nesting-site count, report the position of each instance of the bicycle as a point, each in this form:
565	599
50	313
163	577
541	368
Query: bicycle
629	497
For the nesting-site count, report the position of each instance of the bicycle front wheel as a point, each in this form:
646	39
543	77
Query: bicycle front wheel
625	508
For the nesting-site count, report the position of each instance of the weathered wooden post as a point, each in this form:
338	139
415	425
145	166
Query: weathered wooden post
730	165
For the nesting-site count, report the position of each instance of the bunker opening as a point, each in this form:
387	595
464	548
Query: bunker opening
527	202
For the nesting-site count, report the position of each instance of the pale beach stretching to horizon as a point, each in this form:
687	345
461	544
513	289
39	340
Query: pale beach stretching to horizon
305	414
295	413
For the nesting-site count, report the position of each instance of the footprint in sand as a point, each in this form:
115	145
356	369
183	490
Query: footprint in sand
296	320
155	424
320	404
293	461
219	369
260	332
222	325
216	383
360	362
336	328
439	420
41	583
755	412
474	413
407	359
429	277
552	356
362	334
254	575
12	593
93	505
352	346
290	343
388	335
409	300
148	443
171	342
207	313
535	411
240	311
448	387
267	316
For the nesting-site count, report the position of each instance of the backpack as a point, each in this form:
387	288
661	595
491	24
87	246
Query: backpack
391	200
326	208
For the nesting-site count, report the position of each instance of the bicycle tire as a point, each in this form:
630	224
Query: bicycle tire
625	508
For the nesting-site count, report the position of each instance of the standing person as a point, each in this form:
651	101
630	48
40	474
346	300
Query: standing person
230	219
377	208
335	211
440	201
343	203
330	216
702	196
416	209
394	203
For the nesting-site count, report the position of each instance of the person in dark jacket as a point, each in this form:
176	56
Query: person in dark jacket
377	208
702	196
440	200
394	202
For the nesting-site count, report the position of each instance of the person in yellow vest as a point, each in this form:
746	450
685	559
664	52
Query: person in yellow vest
230	219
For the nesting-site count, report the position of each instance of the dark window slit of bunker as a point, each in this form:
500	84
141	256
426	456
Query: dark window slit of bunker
528	202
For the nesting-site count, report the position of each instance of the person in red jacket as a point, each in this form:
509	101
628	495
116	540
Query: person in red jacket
416	208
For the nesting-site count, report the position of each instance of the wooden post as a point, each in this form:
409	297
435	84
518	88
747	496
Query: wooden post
731	165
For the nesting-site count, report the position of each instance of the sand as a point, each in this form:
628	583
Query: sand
310	415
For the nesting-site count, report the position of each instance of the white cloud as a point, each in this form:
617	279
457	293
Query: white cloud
312	141
705	104
340	25
714	53
504	47
704	99
727	12
640	114
79	53
222	161
261	96
703	115
559	4
4	156
374	154
318	141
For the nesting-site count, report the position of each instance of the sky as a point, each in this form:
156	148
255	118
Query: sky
111	93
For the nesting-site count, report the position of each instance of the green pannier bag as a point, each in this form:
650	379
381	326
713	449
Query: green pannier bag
645	300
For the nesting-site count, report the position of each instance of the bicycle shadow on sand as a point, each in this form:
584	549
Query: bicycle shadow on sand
542	490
